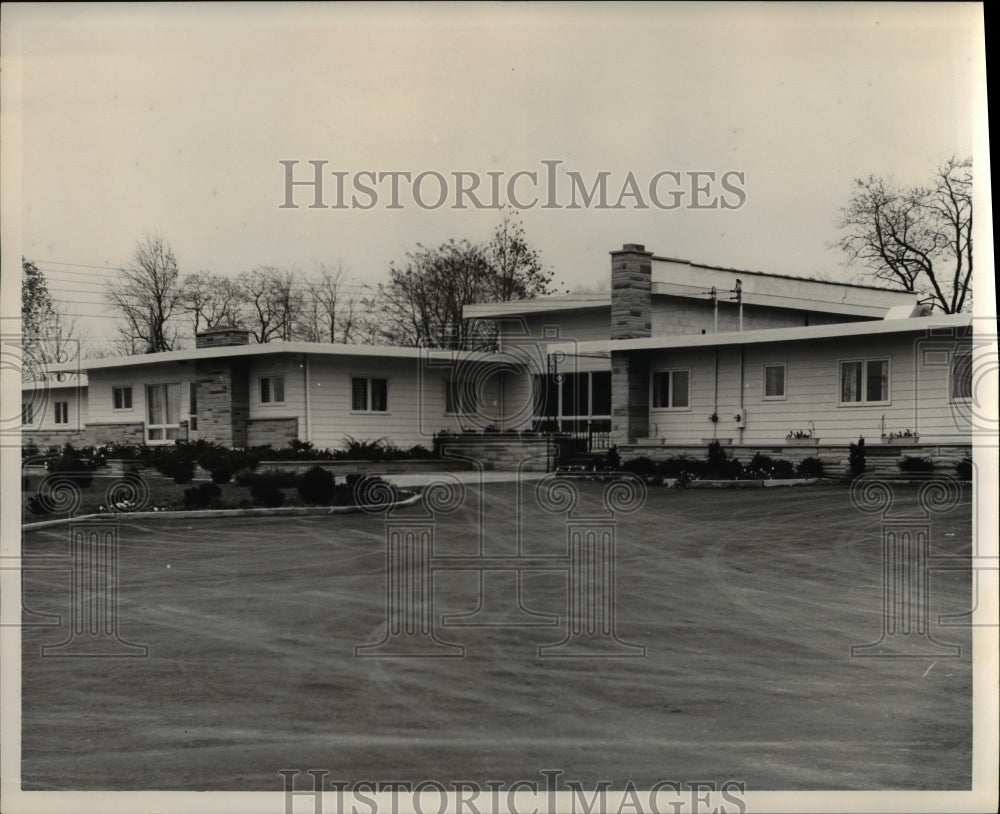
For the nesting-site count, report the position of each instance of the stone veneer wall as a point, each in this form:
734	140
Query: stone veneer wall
43	439
631	292
223	392
276	432
503	453
629	397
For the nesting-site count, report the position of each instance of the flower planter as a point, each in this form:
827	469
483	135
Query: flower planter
905	440
801	442
723	441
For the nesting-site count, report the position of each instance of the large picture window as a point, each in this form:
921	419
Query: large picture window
671	389
575	402
864	381
163	412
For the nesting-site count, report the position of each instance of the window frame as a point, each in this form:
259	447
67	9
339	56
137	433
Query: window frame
966	355
368	395
125	389
61	412
27	414
784	381
270	380
863	383
671	372
150	426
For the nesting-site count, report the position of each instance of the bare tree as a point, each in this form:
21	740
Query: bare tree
332	305
213	301
272	302
148	294
919	238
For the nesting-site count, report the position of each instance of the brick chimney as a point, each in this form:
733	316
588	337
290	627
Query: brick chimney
221	338
631	292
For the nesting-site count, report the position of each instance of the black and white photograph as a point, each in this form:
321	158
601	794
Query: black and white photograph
497	408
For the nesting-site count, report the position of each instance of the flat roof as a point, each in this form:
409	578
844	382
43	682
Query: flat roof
274	348
946	322
554	302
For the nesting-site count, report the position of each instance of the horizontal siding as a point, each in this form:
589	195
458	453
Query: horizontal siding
100	382
918	393
416	402
43	402
677	315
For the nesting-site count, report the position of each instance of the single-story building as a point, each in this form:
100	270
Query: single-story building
675	355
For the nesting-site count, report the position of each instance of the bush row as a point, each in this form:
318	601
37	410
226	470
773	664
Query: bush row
719	466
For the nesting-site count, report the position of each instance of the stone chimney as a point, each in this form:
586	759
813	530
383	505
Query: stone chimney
631	292
221	338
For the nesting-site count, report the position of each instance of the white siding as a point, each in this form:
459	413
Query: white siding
918	390
100	406
43	399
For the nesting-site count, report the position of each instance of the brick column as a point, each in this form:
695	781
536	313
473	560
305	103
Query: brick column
223	388
629	396
631	292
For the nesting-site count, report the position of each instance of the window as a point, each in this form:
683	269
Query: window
774	381
163	411
961	376
575	400
369	395
272	389
27	414
864	381
121	398
460	397
193	406
62	412
670	389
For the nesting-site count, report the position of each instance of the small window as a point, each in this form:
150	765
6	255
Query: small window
27	414
121	398
193	406
671	389
62	412
272	390
369	395
961	376
864	381
774	381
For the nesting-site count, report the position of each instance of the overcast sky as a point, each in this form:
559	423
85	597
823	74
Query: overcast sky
174	119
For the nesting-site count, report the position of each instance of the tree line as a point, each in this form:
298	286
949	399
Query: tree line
917	239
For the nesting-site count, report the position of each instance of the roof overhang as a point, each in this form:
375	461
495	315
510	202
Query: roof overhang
949	324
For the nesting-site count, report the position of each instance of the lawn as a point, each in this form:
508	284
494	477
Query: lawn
747	604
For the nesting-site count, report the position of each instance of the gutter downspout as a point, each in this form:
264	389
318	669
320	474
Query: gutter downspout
305	375
743	417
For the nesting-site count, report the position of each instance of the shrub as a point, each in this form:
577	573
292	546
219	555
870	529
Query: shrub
764	467
676	467
201	496
244	477
72	468
642	466
811	467
35	506
316	486
856	458
720	465
222	473
964	469
915	464
265	489
613	459
29	450
180	469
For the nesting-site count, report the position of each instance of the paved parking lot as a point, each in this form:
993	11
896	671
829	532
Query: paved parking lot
747	603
